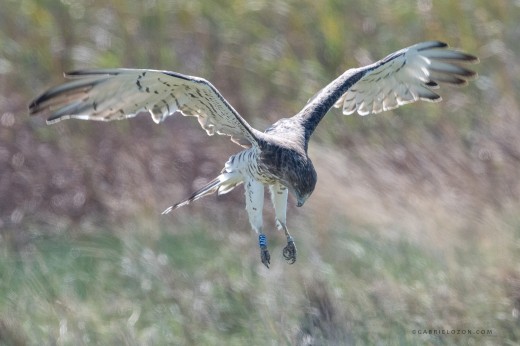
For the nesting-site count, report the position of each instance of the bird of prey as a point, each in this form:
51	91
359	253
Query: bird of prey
276	157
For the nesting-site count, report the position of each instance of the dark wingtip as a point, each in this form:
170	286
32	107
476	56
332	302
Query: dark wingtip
439	44
79	73
432	84
435	98
471	59
93	72
34	106
69	74
465	57
432	44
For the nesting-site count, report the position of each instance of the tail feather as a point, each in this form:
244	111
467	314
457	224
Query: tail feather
222	184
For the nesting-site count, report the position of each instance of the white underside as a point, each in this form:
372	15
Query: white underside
245	163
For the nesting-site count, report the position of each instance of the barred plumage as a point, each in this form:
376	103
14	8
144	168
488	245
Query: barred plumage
277	157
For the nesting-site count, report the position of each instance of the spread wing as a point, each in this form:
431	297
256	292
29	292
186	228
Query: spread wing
111	94
405	76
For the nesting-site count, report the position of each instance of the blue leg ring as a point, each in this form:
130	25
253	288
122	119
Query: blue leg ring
262	240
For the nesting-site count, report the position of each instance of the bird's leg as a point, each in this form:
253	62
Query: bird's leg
279	194
265	257
254	207
289	252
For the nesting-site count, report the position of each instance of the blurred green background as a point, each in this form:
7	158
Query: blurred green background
414	223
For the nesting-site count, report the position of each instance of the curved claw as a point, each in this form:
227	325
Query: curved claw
289	252
265	256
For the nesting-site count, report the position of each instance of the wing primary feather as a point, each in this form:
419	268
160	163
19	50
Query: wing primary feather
442	67
80	85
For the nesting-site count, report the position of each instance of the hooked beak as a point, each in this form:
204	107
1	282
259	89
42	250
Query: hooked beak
300	200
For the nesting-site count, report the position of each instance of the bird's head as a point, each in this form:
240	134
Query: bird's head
302	185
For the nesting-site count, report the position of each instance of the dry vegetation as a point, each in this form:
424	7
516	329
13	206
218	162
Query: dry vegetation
414	223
